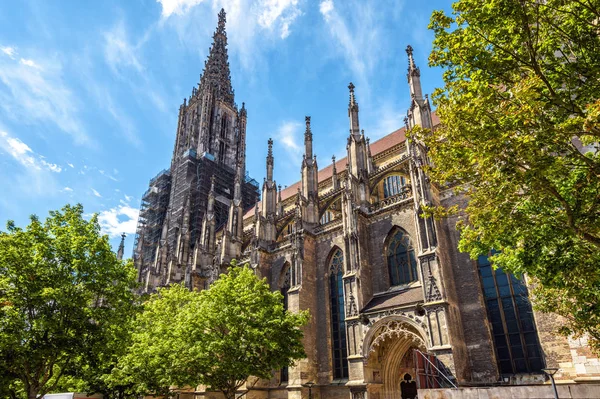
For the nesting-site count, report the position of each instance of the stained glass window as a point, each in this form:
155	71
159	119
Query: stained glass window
338	316
393	185
402	264
509	312
285	286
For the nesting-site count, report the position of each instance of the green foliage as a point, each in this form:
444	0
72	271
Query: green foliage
218	337
521	94
65	302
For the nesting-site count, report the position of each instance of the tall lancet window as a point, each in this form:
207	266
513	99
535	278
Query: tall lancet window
338	316
510	314
284	286
402	264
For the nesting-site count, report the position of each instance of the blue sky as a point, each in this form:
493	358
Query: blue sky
89	91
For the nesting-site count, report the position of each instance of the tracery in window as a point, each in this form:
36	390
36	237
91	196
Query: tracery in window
327	217
402	265
338	317
393	185
284	288
509	312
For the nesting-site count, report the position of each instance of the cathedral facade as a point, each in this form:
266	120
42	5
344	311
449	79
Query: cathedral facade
395	307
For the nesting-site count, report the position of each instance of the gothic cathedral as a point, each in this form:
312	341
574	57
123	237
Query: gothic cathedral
395	307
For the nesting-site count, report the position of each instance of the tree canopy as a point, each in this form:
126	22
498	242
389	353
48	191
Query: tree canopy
218	337
65	302
519	130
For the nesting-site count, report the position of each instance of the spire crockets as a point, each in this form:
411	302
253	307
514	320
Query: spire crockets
216	68
419	112
121	249
270	161
353	112
307	139
413	76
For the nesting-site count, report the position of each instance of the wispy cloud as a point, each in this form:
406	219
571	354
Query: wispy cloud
37	93
178	7
118	220
67	189
9	51
30	63
22	153
278	14
118	51
35	178
96	193
358	36
289	136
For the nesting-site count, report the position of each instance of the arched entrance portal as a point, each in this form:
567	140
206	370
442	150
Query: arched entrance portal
388	351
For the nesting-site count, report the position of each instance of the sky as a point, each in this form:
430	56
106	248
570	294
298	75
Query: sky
90	91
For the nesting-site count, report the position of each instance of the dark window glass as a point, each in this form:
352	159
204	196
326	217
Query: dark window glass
338	316
402	264
285	286
393	185
509	312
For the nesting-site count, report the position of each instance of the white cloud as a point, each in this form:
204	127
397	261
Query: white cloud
128	198
96	193
289	136
39	94
9	51
67	189
22	153
358	33
326	7
178	7
121	219
29	63
71	165
280	13
118	52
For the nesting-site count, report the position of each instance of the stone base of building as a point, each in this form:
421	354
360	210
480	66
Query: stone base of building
565	391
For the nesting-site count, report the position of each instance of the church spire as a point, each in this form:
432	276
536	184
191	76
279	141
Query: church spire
216	68
121	249
413	76
353	112
308	139
270	161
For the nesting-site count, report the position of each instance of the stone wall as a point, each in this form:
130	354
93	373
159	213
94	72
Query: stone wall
574	391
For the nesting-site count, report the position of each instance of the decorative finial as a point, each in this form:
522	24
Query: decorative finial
222	19
411	60
333	159
352	99
406	122
270	143
308	132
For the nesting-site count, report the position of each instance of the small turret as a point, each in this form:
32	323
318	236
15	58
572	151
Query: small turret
121	249
353	112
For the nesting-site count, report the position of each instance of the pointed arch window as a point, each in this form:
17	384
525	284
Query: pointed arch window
510	314
393	185
284	288
402	264
338	316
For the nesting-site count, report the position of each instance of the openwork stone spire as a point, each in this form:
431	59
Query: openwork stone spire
216	74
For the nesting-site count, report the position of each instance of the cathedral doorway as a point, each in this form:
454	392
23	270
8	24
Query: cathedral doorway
390	362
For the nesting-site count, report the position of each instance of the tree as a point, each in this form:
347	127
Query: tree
519	130
218	337
65	300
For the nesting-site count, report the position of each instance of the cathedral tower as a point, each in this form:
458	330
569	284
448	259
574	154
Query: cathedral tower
199	208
